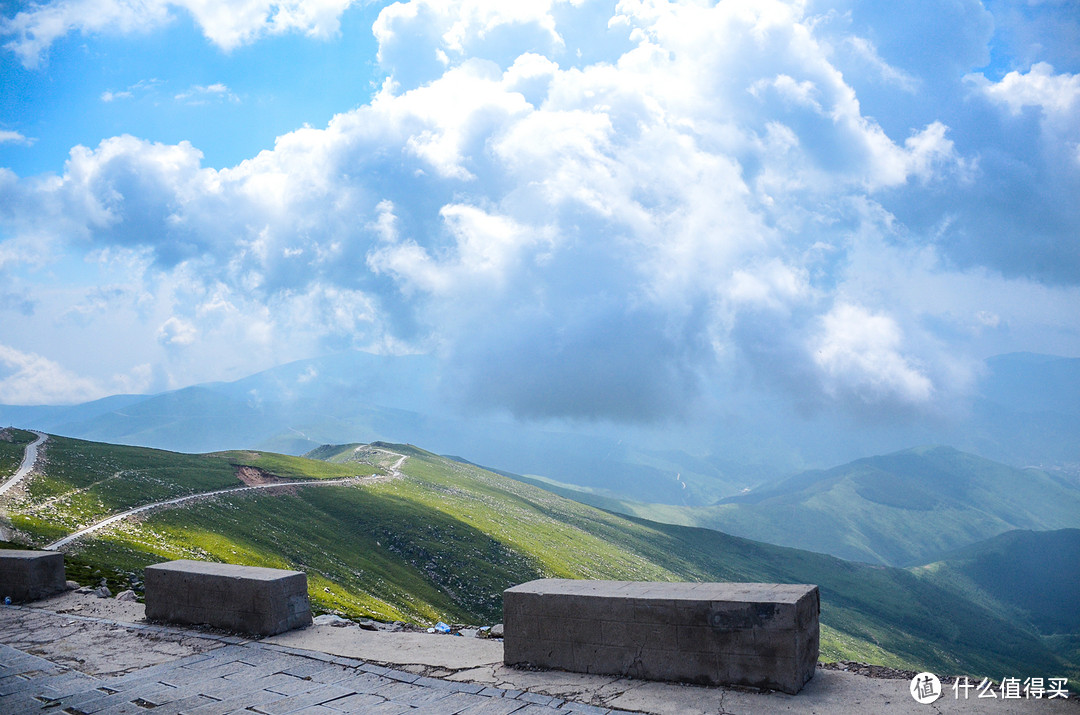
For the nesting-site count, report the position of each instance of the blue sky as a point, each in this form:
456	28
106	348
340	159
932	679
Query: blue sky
596	210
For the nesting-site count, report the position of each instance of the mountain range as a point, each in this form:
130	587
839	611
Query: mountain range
900	509
1024	412
440	539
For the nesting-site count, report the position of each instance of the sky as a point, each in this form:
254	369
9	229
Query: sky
584	210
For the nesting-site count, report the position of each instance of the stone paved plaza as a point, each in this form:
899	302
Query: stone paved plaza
252	677
75	654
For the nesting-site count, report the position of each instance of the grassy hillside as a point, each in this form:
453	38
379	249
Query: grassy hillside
85	482
900	509
1035	574
12	446
447	538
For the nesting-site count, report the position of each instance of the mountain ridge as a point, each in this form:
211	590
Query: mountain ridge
1023	412
446	538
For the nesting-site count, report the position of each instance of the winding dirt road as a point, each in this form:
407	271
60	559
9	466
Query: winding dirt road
29	458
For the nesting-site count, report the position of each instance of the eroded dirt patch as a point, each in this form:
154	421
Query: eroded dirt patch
253	476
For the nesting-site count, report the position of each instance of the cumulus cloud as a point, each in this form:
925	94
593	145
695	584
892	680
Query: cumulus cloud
1053	93
177	331
227	23
30	379
604	239
858	352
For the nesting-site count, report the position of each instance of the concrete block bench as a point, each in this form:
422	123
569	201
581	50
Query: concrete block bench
246	599
755	634
30	575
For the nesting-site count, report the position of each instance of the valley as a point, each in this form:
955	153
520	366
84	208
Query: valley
444	539
900	509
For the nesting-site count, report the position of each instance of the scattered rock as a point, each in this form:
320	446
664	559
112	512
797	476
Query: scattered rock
329	619
368	625
469	632
496	631
73	585
102	592
128	595
84	589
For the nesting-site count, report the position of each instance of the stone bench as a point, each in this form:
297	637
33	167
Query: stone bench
245	599
755	634
30	575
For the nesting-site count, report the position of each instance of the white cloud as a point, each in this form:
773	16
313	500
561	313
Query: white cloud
867	53
712	194
418	38
108	96
202	94
227	23
177	331
859	353
8	136
1054	94
30	379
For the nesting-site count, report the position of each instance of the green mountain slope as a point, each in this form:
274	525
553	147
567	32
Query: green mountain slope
446	538
1036	573
899	509
12	446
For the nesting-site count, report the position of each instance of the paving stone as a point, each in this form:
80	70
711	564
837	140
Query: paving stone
300	701
531	709
355	703
585	709
157	694
468	687
389	708
455	703
290	685
411	694
82	699
20	703
15	684
256	655
247	677
535	698
336	674
365	682
400	675
495	706
435	683
256	672
307	668
219	670
238	703
181	707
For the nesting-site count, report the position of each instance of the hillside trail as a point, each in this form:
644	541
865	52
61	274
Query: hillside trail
28	462
393	472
